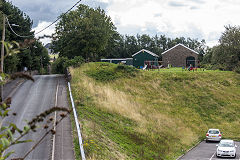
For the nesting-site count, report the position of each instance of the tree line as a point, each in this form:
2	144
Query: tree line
225	55
32	53
91	34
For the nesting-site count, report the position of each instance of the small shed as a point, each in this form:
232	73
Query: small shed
180	56
142	56
127	61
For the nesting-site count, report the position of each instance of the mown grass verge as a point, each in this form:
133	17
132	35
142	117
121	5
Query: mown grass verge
130	114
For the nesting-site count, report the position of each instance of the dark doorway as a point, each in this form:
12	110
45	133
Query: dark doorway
190	61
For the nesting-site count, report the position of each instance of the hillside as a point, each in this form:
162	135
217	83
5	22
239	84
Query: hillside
131	114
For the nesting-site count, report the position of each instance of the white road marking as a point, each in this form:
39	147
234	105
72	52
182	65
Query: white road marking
54	123
212	156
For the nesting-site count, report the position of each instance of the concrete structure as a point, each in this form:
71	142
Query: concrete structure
142	56
180	56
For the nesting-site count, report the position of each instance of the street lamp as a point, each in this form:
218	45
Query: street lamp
15	25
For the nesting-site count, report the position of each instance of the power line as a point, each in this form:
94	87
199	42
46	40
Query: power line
59	17
14	31
45	27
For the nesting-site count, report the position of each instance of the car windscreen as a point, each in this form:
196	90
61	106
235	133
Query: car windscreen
213	132
225	144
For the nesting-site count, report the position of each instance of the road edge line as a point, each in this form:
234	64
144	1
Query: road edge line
54	123
212	155
189	150
77	124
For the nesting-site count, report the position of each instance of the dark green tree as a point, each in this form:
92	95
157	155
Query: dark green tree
83	32
31	50
226	55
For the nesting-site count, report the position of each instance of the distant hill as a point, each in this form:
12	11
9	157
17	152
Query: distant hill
131	114
48	47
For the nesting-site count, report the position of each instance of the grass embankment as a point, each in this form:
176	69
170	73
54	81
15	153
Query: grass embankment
130	114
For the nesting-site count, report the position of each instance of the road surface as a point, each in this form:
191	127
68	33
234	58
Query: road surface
207	151
31	99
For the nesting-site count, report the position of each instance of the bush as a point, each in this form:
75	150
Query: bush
60	65
76	62
109	72
237	68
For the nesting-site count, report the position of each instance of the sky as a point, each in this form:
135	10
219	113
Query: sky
198	19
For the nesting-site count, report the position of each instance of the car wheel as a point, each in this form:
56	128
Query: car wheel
206	141
234	156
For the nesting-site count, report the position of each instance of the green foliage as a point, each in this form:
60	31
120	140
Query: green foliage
29	49
75	62
61	63
16	16
10	65
125	46
105	72
84	32
58	65
8	131
11	135
226	56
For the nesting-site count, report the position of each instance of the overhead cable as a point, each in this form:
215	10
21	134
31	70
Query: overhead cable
59	17
45	27
15	32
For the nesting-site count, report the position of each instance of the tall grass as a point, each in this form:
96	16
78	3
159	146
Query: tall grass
152	114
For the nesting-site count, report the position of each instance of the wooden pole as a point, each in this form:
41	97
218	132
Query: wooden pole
2	56
3	39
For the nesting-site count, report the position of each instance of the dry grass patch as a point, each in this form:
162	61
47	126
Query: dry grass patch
153	115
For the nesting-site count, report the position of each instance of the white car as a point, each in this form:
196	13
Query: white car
213	135
226	148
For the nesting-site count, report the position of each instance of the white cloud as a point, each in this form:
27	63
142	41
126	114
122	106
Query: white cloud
189	18
49	31
202	19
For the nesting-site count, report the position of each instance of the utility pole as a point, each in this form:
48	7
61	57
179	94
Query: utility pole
2	56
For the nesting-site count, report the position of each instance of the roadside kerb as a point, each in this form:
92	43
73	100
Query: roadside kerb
77	124
188	150
19	83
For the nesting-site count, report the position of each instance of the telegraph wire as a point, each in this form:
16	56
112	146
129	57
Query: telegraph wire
15	32
59	17
45	27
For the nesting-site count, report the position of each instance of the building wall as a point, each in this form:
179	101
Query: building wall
138	60
177	57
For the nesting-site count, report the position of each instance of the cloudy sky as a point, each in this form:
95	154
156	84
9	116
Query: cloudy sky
201	19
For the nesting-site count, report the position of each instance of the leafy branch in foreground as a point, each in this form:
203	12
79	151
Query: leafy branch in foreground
10	134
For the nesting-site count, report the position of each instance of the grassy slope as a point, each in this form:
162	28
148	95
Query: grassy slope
155	114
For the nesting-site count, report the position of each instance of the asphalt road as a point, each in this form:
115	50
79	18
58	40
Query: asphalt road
207	151
63	143
29	100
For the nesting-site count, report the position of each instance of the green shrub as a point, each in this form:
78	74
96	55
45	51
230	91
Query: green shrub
105	72
75	62
60	65
237	68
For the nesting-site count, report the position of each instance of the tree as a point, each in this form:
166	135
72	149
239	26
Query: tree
226	56
31	49
16	16
83	32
